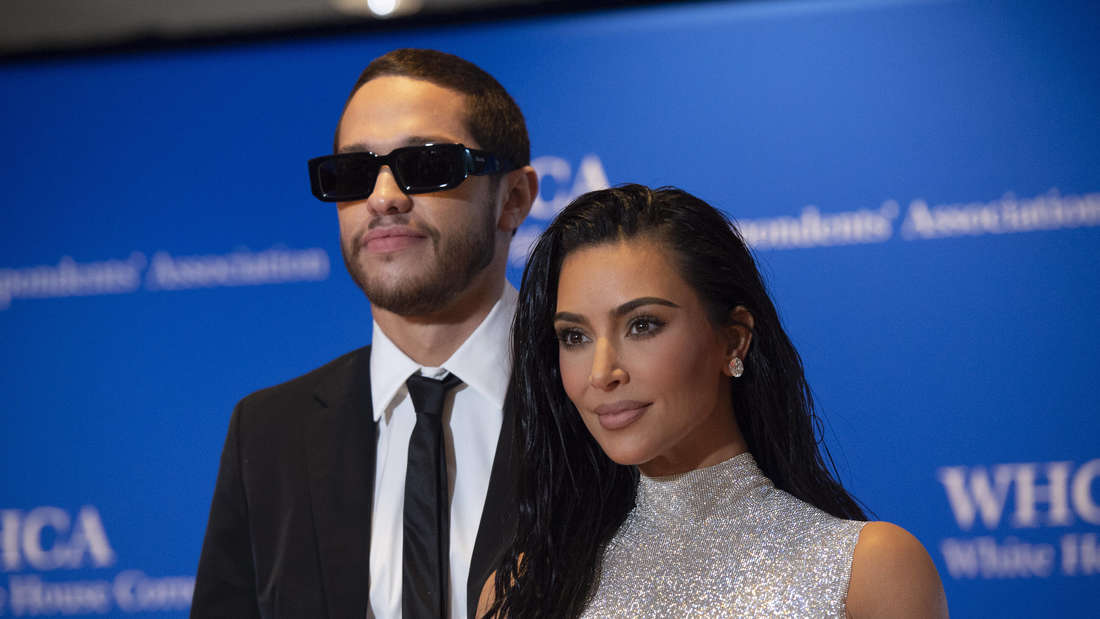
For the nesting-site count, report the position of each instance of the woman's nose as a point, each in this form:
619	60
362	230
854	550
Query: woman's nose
606	373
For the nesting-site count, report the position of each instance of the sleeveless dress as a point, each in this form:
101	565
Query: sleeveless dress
724	542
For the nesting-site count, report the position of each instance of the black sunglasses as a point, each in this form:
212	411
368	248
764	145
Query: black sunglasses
417	169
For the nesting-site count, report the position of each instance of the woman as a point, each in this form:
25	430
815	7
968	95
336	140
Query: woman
671	464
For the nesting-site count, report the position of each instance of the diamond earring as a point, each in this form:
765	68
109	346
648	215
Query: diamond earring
736	367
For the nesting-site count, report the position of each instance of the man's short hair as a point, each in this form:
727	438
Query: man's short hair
492	116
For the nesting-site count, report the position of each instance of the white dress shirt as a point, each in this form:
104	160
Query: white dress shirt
472	416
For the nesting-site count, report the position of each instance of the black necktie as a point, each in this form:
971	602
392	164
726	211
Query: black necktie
426	555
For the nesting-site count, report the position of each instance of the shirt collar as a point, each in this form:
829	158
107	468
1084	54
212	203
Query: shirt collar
483	361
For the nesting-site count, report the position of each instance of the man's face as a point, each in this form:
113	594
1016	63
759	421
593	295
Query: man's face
413	255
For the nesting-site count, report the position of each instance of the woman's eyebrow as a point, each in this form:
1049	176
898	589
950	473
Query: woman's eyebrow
570	317
622	310
630	306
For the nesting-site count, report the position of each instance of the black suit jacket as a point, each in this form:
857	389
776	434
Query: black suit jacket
289	529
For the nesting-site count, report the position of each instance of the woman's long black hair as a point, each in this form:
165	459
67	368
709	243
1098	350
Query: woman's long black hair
572	497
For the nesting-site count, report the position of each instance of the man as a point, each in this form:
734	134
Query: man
334	497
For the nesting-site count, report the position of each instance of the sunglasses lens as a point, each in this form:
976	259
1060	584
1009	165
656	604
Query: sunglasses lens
430	168
348	176
417	169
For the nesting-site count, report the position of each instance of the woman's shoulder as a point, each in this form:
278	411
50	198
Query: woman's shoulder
488	596
893	576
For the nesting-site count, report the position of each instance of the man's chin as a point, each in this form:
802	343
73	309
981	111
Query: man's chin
390	275
405	297
406	305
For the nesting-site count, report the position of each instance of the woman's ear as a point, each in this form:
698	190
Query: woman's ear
739	333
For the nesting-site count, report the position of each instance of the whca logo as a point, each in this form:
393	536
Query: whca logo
49	539
74	541
558	186
1027	498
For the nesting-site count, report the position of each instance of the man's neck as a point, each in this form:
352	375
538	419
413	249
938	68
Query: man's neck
431	339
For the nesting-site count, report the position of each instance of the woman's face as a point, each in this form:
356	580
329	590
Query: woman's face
641	361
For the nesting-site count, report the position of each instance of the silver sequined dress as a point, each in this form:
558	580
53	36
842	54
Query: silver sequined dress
724	542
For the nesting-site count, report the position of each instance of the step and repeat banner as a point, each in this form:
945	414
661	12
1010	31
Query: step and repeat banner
920	180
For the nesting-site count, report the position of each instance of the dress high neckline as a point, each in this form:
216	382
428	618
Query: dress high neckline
700	494
722	541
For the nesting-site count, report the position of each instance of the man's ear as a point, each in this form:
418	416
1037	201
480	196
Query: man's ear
520	188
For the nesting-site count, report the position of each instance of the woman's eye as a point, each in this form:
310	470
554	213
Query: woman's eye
571	337
645	325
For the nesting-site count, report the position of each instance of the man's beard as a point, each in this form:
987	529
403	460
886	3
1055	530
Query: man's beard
455	265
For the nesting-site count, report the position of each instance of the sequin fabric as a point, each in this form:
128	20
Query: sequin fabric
724	542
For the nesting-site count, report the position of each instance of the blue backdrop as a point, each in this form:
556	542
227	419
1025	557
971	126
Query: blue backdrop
920	180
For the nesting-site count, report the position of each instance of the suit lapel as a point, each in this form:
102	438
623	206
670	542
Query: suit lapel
340	452
498	517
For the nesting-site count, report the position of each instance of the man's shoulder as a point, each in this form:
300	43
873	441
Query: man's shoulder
271	429
341	372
